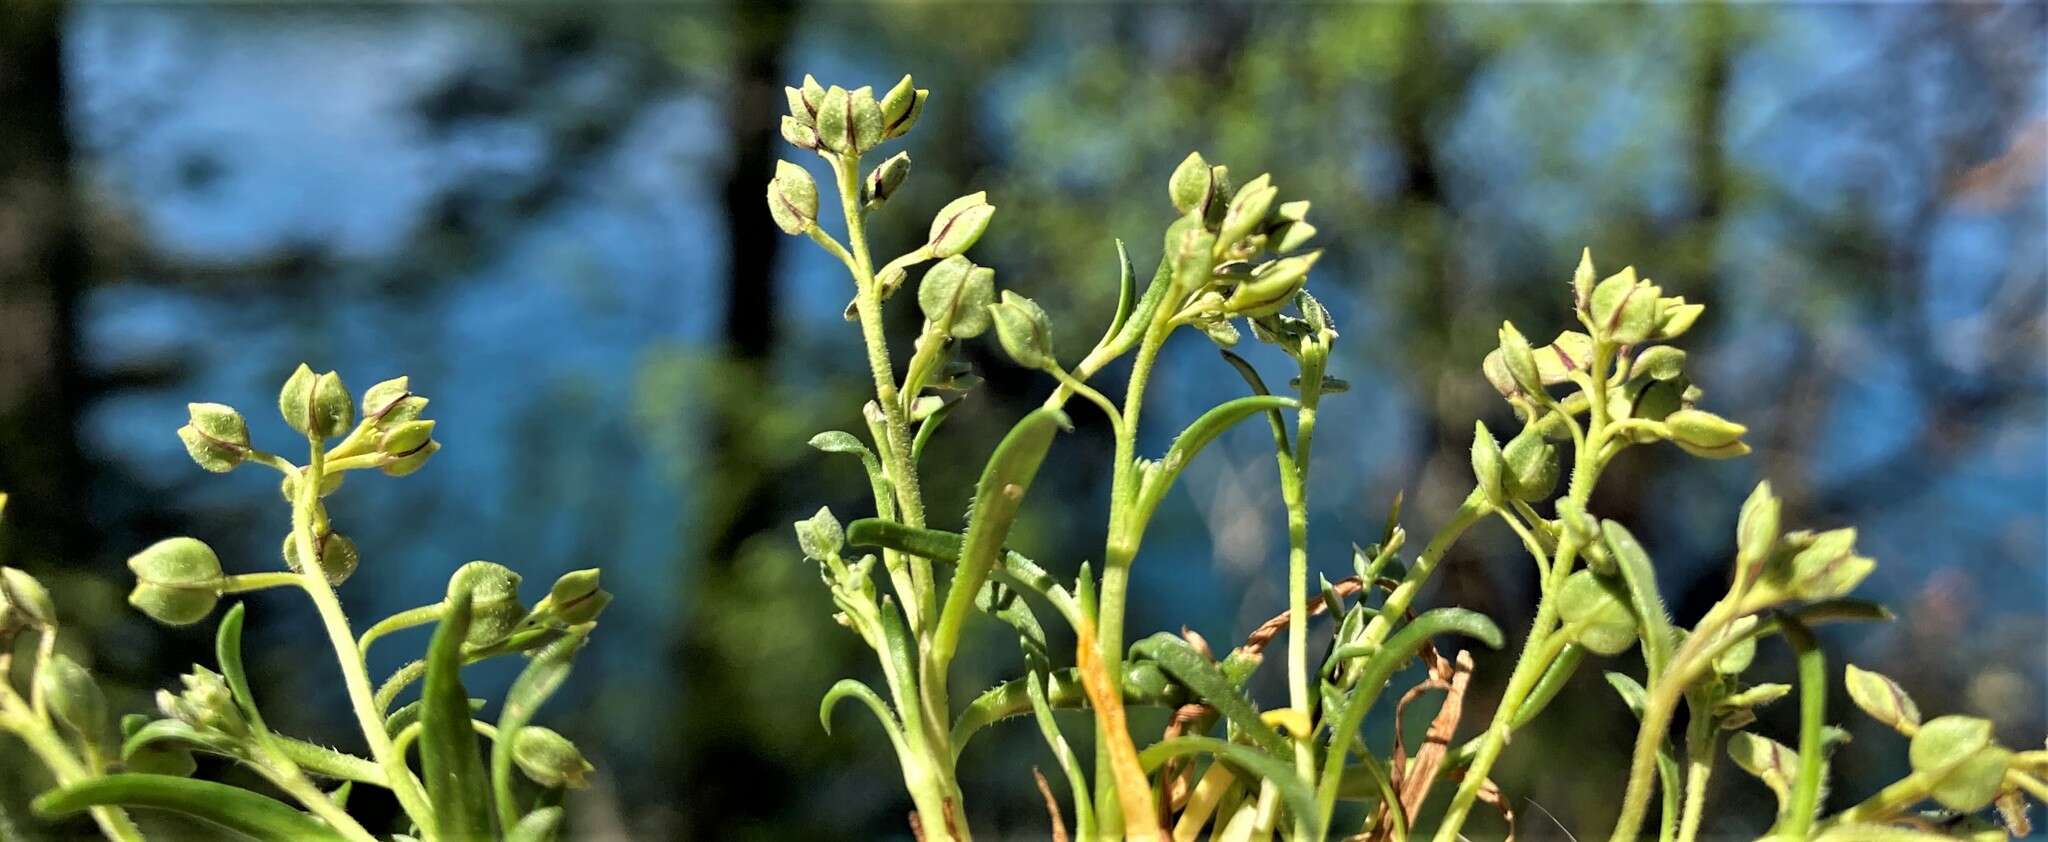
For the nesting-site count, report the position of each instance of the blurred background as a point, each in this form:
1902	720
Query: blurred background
550	216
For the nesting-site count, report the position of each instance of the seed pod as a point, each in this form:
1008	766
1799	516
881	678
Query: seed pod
792	198
177	581
216	436
1599	608
386	397
550	759
956	293
337	554
812	95
1624	308
901	107
494	604
575	599
1024	330
407	463
959	224
867	118
883	181
798	133
317	406
1957	752
1247	210
1486	464
24	602
835	121
405	438
73	697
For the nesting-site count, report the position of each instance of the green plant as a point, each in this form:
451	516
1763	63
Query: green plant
456	790
1234	254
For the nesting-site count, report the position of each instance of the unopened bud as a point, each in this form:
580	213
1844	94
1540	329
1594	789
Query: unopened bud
177	581
1624	309
206	704
1582	280
1703	429
1190	186
959	224
792	198
1532	467
337	555
1024	330
1272	285
1486	464
494	608
901	107
1247	211
216	436
24	602
575	599
883	181
1756	530
73	697
550	759
1520	359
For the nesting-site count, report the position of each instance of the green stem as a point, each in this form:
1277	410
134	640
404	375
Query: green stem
355	675
1813	700
1685	667
1888	802
1700	752
246	582
16	716
1294	465
287	776
409	618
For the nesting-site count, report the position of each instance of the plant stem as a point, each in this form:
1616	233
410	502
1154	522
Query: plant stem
1294	466
1664	696
16	716
246	582
1700	752
1813	700
355	676
287	776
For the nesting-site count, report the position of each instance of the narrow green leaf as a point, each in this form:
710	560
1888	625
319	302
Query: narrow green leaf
541	678
409	713
848	688
997	498
1127	291
1140	318
1255	765
1145	685
1198	435
236	809
1633	695
1554	679
1641	578
1191	668
1016	571
449	755
227	648
173	731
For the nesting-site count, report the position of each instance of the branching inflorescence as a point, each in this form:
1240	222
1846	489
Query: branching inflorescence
451	774
1234	255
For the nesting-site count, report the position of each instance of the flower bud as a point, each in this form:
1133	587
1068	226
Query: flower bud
1660	362
1189	187
337	555
1486	464
1675	317
956	293
1756	530
1624	309
318	407
1598	608
1703	429
883	181
216	436
73	697
24	602
177	581
206	704
1828	567
1531	467
798	133
1271	286
901	107
1582	281
1247	210
959	224
792	198
1024	330
835	121
1520	359
494	608
550	759
867	119
575	599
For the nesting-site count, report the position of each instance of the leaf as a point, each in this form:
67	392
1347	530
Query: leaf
1641	579
236	809
850	688
1200	675
227	648
1258	766
1016	571
1140	318
449	754
541	678
1198	435
1882	698
410	713
1127	291
1769	760
997	498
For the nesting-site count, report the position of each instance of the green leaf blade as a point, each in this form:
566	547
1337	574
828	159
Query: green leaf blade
236	809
